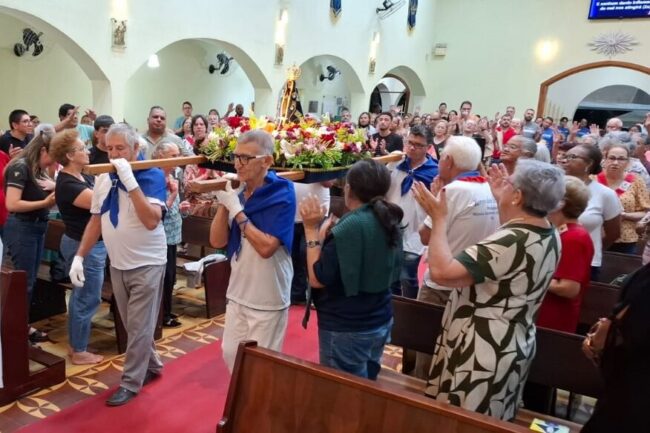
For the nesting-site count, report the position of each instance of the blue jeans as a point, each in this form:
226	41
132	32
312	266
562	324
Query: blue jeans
408	285
25	240
84	300
358	353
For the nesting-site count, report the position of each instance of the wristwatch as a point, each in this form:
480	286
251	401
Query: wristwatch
313	244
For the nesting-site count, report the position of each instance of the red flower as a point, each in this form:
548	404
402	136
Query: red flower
245	128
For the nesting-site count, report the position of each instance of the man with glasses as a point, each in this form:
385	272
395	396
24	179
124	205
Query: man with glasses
187	113
20	133
255	223
417	165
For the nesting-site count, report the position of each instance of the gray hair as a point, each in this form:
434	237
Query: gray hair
163	147
541	184
528	146
622	136
465	152
263	139
542	153
608	144
125	131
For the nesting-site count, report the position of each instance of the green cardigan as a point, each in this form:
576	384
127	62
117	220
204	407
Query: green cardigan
368	264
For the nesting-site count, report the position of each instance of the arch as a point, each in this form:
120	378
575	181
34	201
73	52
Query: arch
345	90
412	82
245	61
100	84
348	74
543	88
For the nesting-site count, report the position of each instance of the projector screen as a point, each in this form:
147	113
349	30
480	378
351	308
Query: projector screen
604	9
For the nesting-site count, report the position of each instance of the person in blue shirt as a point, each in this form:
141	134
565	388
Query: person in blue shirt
547	133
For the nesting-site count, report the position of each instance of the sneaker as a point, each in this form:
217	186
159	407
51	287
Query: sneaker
38	336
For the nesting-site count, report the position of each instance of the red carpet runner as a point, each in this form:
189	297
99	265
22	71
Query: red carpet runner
188	398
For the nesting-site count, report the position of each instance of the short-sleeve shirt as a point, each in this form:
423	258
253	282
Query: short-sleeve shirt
393	141
130	244
634	198
68	188
603	206
18	176
7	140
559	312
85	133
98	156
530	129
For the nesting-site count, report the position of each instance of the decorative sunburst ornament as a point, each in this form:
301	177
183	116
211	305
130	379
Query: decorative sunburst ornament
613	44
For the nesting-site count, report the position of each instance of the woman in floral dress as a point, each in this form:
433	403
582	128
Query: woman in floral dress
487	341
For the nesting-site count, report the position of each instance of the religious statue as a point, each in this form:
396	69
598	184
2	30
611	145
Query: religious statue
290	109
119	31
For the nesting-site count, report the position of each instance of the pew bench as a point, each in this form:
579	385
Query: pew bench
196	231
617	264
274	392
19	376
558	363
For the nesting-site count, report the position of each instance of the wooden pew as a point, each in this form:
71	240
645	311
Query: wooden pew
598	302
273	392
196	231
558	363
616	264
17	354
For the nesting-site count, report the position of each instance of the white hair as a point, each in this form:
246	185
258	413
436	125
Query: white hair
465	152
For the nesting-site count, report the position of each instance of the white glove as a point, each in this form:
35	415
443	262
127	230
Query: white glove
77	271
230	199
125	173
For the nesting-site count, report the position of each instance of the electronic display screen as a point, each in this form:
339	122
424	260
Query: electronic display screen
604	9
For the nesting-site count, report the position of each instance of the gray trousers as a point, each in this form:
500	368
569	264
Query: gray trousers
138	293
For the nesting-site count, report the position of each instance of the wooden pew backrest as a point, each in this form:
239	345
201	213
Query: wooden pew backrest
273	392
598	301
616	264
426	317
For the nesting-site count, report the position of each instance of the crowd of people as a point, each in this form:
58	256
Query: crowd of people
511	217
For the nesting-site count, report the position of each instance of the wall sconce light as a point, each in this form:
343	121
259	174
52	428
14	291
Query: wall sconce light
374	44
118	33
153	61
281	36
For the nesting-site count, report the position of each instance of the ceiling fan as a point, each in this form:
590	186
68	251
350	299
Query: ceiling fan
223	64
30	39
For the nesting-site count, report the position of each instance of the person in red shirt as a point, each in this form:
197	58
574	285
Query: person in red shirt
502	134
561	307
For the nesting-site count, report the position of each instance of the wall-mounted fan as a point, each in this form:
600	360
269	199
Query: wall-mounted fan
223	64
32	42
388	8
332	72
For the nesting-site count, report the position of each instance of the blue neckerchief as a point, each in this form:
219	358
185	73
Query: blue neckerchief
471	173
151	181
271	208
424	173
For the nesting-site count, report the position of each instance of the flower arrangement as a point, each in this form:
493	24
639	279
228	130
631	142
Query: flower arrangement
304	145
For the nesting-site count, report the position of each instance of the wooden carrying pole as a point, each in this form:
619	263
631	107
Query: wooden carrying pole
212	184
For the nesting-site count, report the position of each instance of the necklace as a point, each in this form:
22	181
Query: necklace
522	220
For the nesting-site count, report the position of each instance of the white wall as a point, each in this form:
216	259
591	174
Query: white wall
564	96
491	48
184	71
248	27
326	92
40	84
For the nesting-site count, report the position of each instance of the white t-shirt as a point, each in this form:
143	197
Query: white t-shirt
259	283
472	216
304	189
603	206
414	215
129	245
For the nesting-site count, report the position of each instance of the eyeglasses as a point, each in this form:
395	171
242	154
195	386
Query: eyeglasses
416	145
572	157
245	159
617	158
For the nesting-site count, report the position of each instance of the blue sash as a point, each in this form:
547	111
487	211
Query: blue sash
151	181
271	208
424	173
